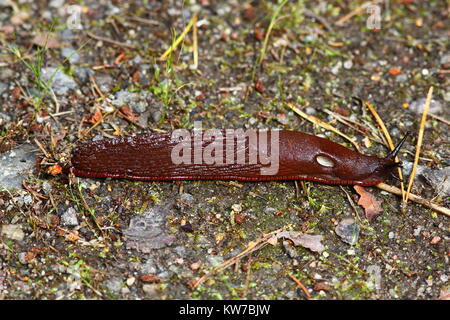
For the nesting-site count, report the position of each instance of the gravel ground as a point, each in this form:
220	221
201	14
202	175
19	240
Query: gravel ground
71	73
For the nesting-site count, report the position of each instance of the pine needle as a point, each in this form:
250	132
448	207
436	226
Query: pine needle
389	141
195	43
322	124
419	143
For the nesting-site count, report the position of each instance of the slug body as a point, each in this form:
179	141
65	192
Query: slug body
280	155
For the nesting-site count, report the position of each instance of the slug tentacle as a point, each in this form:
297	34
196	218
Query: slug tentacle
393	153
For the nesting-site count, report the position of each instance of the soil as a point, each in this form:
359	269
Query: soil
75	238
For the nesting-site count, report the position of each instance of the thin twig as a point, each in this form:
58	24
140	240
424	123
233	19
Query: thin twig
116	43
321	19
301	285
44	151
352	203
439	118
415	198
258	244
143	20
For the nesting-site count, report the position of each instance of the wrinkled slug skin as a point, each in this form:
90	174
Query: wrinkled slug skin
301	156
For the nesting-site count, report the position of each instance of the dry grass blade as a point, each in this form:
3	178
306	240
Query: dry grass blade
419	142
416	198
389	141
322	124
179	39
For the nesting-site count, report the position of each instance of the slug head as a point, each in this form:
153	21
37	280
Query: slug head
339	165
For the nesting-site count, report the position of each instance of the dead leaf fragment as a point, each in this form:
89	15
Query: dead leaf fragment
19	18
96	117
126	113
445	293
259	86
395	71
273	241
321	286
72	237
150	278
55	170
46	40
311	242
435	240
371	205
196	265
259	34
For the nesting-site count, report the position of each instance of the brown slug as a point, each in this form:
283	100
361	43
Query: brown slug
230	155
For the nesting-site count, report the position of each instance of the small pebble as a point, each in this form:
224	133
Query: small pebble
348	231
348	64
130	281
13	232
69	218
418	105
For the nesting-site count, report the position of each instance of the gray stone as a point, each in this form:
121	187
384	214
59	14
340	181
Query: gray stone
56	3
214	260
83	74
418	105
402	78
104	82
375	272
348	64
16	164
135	100
27	199
188	198
269	210
407	168
6	73
13	232
148	231
348	230
3	87
114	284
69	218
71	54
311	111
149	267
445	59
47	187
439	180
446	96
4	118
23	258
137	60
151	290
61	83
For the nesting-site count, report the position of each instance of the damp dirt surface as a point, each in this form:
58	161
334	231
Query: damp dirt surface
71	74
